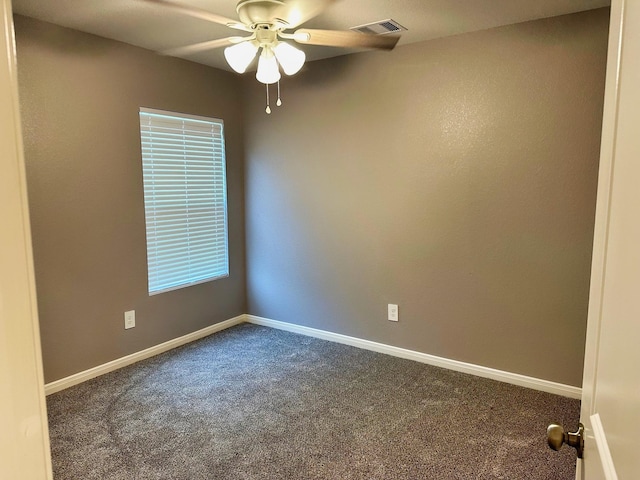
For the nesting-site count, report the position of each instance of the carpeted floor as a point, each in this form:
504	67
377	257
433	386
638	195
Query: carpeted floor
252	402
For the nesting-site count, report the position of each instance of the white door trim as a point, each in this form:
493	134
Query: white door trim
603	448
601	228
594	432
24	436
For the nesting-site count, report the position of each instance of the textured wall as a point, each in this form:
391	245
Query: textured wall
455	177
80	96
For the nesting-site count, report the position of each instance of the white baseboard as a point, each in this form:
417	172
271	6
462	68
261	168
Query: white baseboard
480	371
502	376
80	377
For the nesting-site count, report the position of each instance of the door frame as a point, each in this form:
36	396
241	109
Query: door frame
24	435
598	456
603	202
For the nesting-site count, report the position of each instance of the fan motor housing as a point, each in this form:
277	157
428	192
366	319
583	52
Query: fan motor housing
261	12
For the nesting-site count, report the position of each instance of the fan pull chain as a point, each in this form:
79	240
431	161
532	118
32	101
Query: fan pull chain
279	102
268	109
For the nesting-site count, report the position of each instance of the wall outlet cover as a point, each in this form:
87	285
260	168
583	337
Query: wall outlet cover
129	319
392	312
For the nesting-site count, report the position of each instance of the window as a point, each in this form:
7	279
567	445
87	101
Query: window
185	199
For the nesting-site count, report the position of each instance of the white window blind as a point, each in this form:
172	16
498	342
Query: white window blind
185	199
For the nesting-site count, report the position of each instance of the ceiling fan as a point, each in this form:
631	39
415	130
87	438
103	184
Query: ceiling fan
267	22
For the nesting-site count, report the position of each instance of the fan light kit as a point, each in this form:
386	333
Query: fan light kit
266	21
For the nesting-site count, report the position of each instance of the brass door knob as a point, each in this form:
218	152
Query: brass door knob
556	437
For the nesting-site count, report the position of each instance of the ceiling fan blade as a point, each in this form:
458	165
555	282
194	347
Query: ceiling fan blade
201	14
199	47
297	12
343	38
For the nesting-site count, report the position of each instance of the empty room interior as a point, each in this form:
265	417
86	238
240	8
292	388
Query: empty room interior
449	183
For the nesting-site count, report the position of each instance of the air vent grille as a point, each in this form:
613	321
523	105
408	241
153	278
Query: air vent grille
379	28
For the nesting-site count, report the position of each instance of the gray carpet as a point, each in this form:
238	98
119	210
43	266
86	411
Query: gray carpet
256	403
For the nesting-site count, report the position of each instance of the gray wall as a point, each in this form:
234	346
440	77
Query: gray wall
80	96
455	177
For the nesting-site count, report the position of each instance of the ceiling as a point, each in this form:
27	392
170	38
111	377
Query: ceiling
156	28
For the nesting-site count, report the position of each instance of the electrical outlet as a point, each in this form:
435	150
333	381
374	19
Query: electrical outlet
392	311
129	319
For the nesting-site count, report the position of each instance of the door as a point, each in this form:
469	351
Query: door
611	386
24	441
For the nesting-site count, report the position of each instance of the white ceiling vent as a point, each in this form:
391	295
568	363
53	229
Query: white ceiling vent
379	28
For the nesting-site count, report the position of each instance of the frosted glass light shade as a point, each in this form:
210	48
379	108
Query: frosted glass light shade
290	58
240	56
267	67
